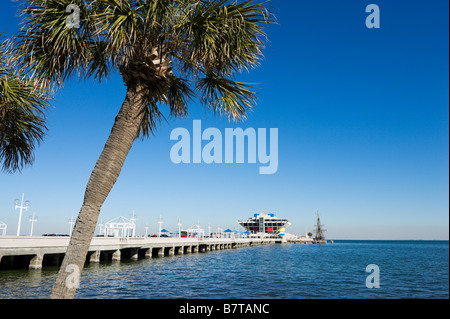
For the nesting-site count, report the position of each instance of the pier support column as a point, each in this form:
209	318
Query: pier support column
9	261
161	252
36	262
207	248
187	249
212	247
55	260
149	253
95	257
135	254
171	251
195	249
116	255
181	250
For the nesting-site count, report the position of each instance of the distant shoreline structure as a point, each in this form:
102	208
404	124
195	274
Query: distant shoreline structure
267	225
270	226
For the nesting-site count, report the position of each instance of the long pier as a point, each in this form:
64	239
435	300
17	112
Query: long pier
36	252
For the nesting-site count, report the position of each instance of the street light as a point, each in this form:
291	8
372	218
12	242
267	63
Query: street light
101	230
179	228
133	220
200	233
3	227
71	223
32	219
21	207
160	221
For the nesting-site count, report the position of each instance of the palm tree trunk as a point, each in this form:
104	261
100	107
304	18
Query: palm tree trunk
106	171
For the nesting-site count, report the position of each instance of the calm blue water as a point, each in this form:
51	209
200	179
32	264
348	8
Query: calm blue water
408	269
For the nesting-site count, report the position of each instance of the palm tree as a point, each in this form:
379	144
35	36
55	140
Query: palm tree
168	52
22	116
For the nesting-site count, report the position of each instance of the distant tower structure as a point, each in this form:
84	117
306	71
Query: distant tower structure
319	230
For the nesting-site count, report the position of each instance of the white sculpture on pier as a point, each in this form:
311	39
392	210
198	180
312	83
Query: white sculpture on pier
196	231
120	227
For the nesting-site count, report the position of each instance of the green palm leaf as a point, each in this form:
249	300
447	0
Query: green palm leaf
22	117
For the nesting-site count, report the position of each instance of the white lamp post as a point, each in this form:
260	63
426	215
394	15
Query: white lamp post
101	230
21	207
199	233
146	230
32	219
3	227
132	220
160	221
71	223
179	228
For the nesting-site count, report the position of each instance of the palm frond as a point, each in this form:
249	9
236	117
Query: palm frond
20	134
227	97
22	116
151	117
227	38
179	93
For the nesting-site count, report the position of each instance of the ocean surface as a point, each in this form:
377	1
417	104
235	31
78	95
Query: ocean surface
407	269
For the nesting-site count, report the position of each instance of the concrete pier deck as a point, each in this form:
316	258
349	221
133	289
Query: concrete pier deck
37	252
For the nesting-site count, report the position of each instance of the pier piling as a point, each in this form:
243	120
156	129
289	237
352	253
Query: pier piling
116	255
95	257
36	262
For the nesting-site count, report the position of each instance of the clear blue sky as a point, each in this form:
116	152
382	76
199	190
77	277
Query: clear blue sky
363	128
